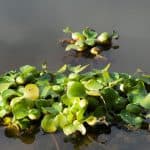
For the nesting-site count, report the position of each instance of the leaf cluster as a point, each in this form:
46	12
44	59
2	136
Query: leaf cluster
70	100
88	39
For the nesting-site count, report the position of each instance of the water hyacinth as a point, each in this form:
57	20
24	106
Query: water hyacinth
89	41
71	101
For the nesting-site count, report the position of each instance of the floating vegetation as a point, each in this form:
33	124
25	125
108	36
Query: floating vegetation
89	41
71	101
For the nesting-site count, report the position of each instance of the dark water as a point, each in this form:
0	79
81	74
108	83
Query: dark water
29	34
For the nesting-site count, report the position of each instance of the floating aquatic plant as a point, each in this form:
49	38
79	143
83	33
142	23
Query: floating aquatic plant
71	101
88	40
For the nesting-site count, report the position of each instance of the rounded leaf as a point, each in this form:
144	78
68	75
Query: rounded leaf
75	89
31	91
48	124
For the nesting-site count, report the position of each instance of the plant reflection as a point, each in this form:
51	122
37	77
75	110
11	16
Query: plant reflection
77	140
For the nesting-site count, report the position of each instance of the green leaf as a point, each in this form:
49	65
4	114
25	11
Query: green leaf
53	110
67	101
145	102
72	128
93	85
20	109
4	110
23	123
93	92
34	114
45	91
89	33
137	93
90	42
49	110
99	111
10	93
75	89
80	43
60	79
134	108
62	69
48	124
131	119
120	103
15	100
80	114
28	73
57	106
77	69
4	86
110	95
27	69
43	103
61	120
91	120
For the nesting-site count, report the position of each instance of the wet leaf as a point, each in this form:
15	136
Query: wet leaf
76	126
31	91
75	89
4	86
145	102
137	93
134	108
20	109
77	69
110	96
62	69
48	124
89	33
93	85
90	42
34	114
10	93
40	103
131	118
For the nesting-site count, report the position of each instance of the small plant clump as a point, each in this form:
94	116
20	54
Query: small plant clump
89	40
70	101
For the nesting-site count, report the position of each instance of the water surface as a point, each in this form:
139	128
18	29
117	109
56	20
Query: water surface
29	34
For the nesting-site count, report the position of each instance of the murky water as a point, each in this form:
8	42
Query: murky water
29	34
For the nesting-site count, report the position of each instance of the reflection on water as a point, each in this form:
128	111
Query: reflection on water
30	30
103	138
